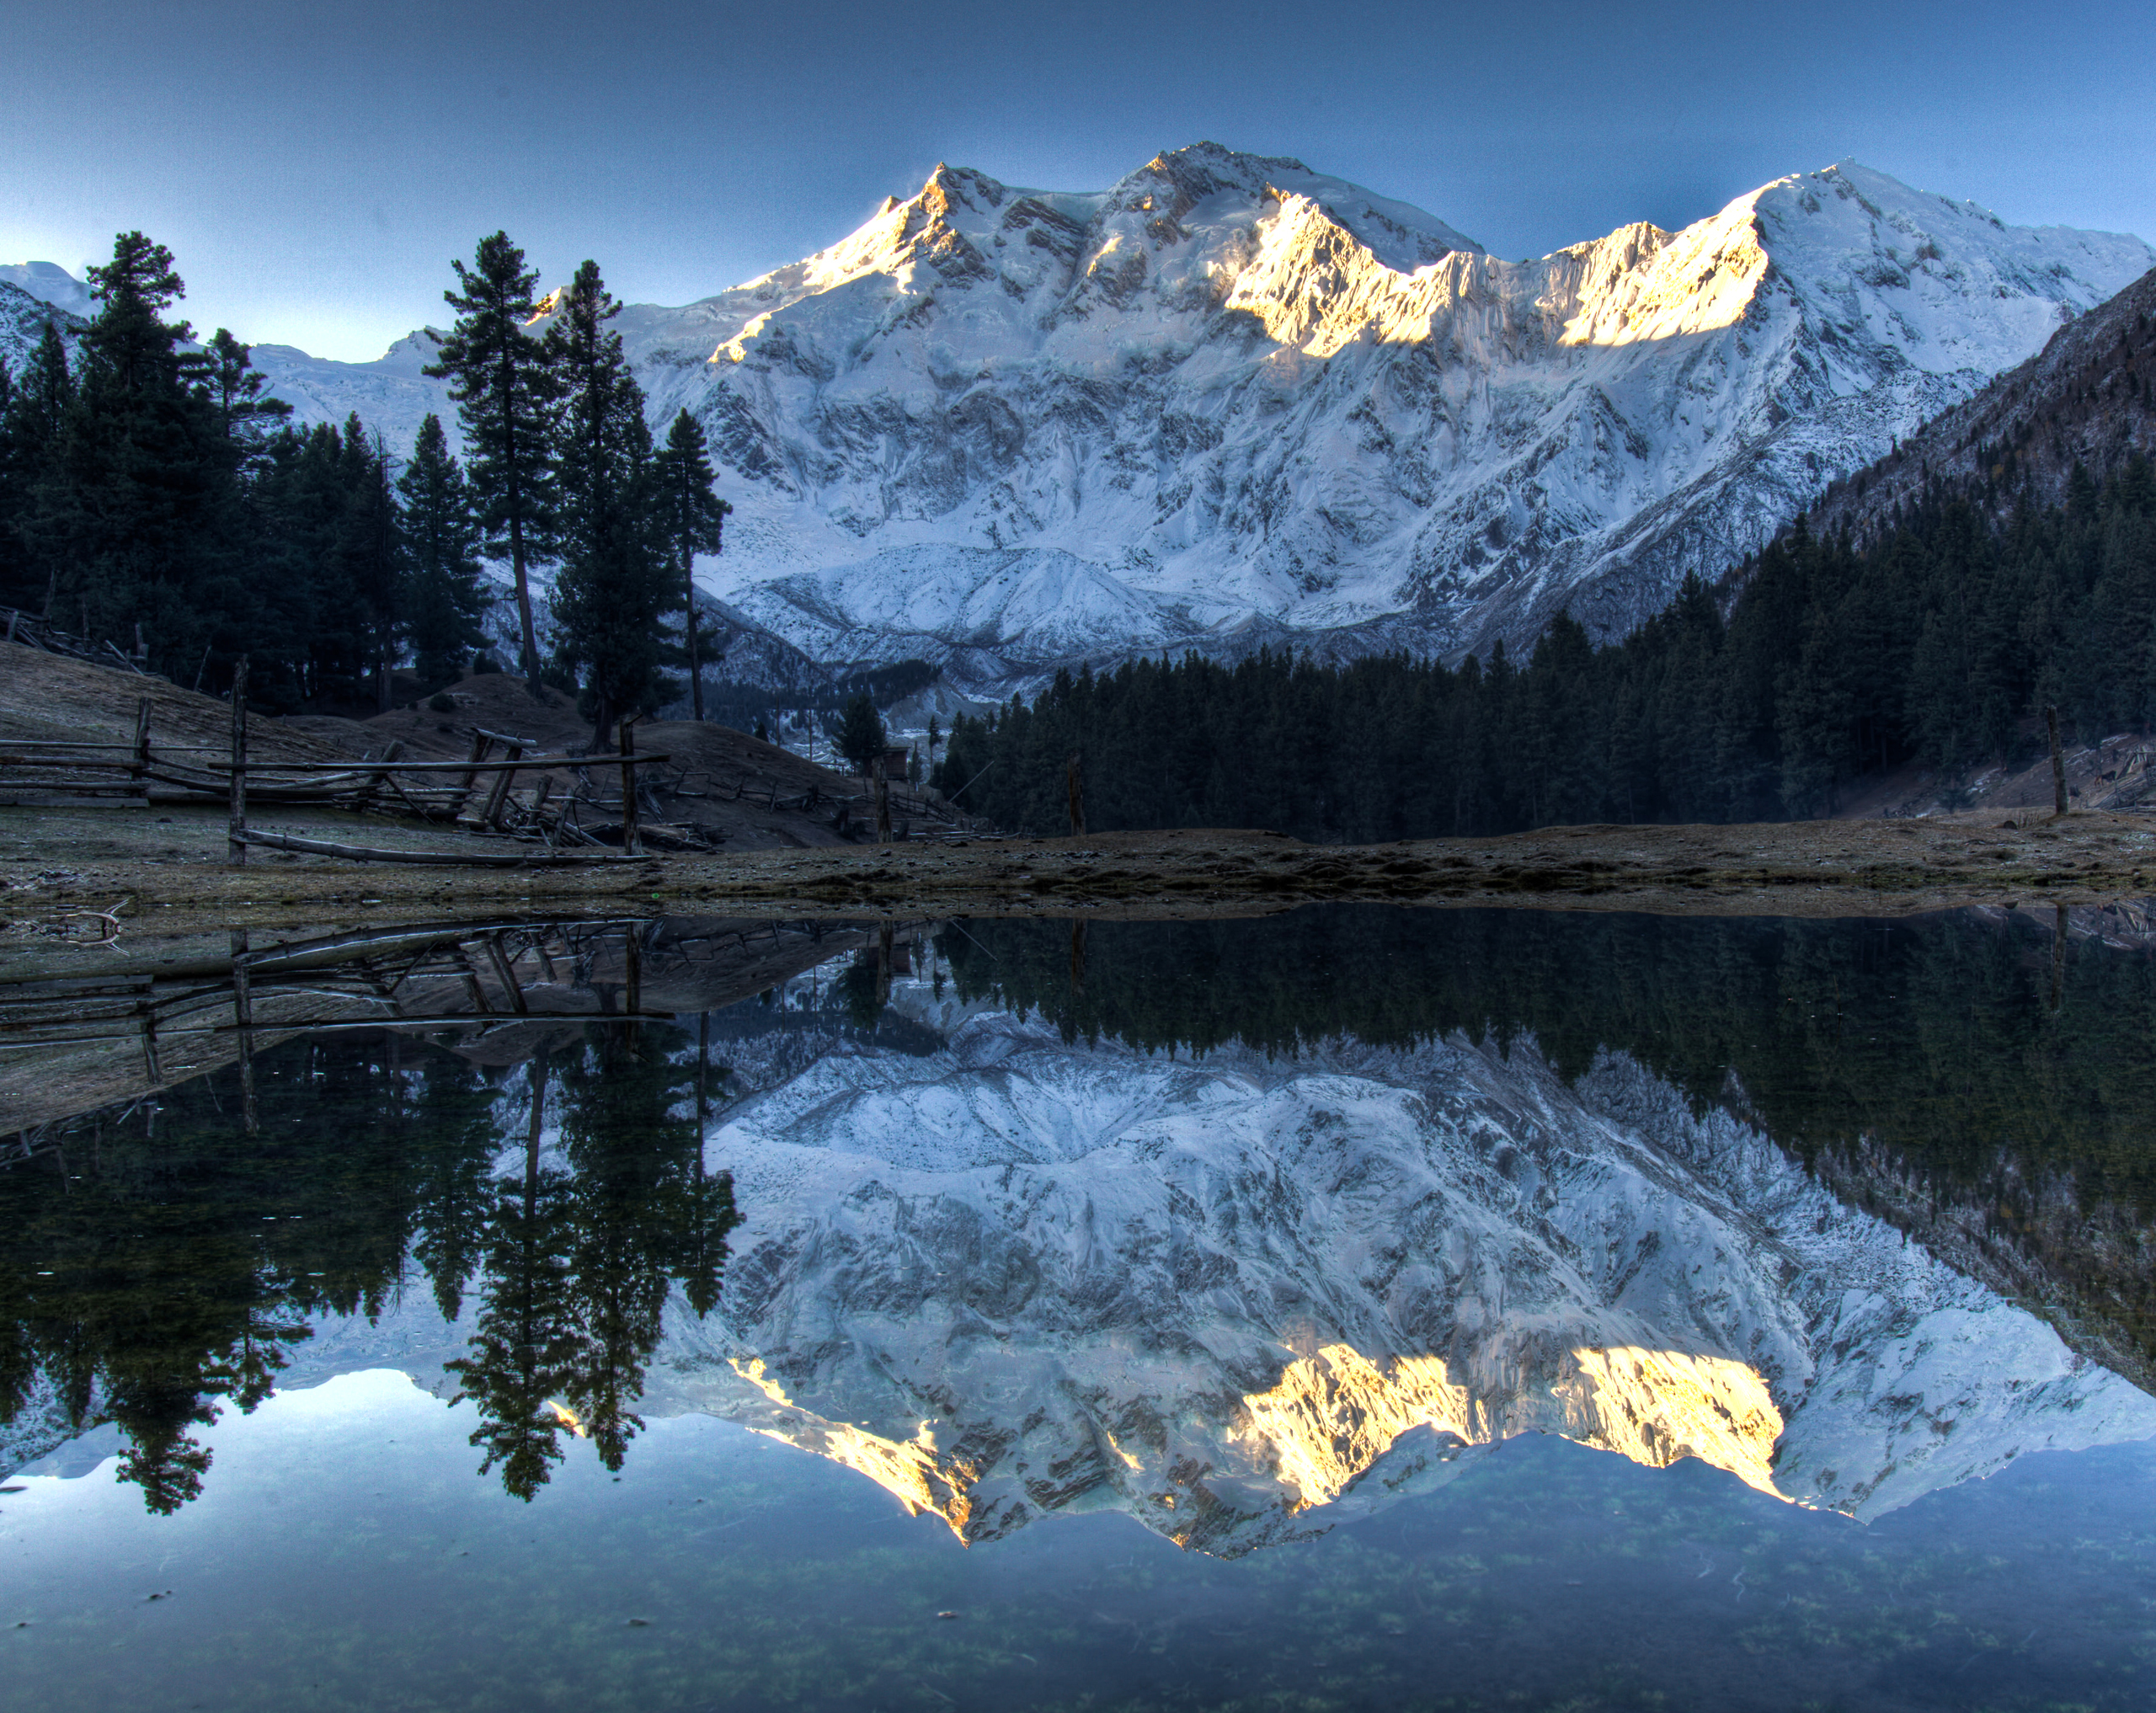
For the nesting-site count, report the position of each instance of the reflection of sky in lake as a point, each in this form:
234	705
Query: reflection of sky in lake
1362	1319
345	1557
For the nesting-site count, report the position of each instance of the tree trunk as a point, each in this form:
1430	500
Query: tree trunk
538	1124
695	659
632	841
529	636
235	845
882	801
2059	762
1074	783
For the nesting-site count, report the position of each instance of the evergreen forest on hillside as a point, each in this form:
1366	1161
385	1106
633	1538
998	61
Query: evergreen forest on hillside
1816	664
152	497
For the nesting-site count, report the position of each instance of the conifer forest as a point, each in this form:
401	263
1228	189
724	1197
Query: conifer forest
153	498
1766	696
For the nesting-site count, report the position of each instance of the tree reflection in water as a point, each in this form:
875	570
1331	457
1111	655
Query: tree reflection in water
155	1265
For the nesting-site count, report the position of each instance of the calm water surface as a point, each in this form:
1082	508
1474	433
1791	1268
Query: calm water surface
1354	1309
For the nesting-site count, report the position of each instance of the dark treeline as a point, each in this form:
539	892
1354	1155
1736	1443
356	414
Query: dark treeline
1818	663
151	1267
153	498
1964	1054
762	709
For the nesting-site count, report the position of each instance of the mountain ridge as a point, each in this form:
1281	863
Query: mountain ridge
2088	399
1228	402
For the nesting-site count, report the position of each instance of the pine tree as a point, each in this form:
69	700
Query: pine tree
370	551
616	588
16	579
691	519
444	598
860	737
507	395
138	504
235	388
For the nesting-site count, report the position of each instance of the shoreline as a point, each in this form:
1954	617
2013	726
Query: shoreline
1810	868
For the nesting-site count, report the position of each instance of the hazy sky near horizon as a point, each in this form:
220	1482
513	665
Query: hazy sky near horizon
314	169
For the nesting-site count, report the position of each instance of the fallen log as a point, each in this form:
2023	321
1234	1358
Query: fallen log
471	859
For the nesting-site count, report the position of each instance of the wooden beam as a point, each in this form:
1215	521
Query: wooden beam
363	853
236	828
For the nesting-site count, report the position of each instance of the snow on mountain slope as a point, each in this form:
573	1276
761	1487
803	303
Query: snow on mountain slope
1230	401
49	283
390	395
23	318
1240	1299
1221	388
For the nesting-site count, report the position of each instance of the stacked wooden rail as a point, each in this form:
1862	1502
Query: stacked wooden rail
479	795
475	795
28	628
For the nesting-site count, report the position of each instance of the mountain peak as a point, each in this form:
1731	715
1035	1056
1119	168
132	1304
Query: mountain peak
50	283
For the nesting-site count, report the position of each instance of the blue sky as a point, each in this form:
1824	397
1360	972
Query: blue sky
316	168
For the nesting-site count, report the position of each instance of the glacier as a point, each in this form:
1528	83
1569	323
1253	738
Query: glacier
1230	402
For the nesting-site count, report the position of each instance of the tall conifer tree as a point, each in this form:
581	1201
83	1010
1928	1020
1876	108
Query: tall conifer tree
507	397
444	598
235	388
691	519
616	589
37	407
138	504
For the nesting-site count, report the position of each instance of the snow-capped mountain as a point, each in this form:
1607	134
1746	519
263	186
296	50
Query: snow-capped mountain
23	313
1220	401
49	284
1230	400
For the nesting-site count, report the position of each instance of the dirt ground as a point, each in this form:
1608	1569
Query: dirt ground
727	780
160	873
51	867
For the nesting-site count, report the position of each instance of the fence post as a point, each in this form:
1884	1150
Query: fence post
142	748
377	779
243	1012
632	841
236	829
2058	762
497	799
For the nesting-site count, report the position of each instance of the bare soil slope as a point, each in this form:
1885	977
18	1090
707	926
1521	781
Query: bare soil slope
731	786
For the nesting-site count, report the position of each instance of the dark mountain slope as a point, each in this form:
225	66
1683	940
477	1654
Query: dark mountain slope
2087	397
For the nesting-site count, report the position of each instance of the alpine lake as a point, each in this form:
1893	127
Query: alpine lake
1353	1308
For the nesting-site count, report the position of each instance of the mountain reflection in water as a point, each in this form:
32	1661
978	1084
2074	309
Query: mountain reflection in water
1241	1229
